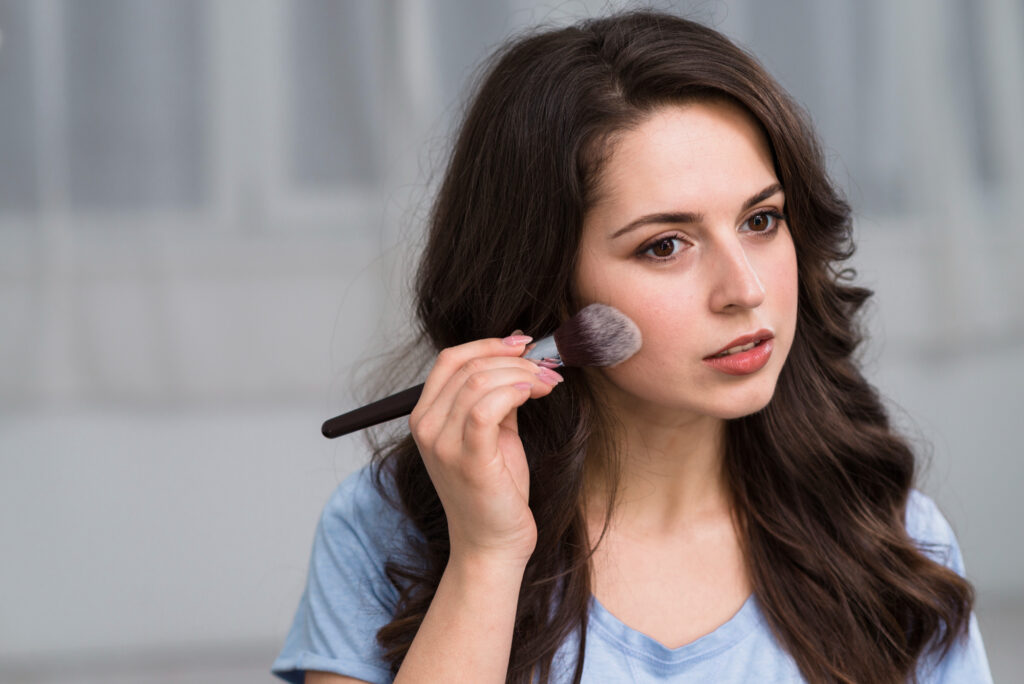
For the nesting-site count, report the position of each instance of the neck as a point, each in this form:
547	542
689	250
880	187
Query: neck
670	473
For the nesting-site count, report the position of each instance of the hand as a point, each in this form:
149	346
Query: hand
465	427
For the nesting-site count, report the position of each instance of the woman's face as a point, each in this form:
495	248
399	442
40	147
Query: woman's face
694	283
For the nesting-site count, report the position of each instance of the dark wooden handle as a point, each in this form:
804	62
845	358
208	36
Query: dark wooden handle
399	404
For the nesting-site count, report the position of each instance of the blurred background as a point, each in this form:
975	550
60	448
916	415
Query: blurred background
208	211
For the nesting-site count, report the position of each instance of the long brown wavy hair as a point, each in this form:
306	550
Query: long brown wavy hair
819	479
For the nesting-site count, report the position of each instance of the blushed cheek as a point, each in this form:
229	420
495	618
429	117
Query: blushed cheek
640	375
671	333
790	279
671	318
785	283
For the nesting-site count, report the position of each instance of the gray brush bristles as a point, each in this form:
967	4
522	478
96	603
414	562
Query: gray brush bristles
598	335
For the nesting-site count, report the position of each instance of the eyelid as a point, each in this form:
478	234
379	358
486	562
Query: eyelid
643	250
776	214
773	211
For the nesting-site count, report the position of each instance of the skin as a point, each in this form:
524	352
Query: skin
722	279
719	279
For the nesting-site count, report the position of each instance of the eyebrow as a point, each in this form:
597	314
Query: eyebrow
690	217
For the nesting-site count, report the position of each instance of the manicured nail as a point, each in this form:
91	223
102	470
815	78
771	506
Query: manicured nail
522	385
516	340
549	376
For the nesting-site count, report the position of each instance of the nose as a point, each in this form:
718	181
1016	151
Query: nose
735	282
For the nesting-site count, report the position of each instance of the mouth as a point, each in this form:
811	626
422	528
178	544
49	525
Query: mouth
742	344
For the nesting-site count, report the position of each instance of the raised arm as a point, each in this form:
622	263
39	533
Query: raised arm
465	428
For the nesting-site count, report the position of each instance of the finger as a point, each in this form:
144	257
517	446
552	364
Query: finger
430	422
459	397
480	383
466	377
482	425
451	359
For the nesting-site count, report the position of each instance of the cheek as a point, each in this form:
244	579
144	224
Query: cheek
669	318
671	325
666	312
590	283
785	279
665	309
782	283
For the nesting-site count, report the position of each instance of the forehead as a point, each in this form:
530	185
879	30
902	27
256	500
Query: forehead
686	153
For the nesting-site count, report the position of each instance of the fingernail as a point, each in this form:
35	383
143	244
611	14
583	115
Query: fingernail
517	331
549	376
516	340
522	385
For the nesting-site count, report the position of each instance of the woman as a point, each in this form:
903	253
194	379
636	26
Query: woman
682	516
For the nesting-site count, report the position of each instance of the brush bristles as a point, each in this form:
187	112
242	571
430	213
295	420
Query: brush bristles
599	335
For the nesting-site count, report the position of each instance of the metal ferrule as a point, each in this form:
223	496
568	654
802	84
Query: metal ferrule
545	353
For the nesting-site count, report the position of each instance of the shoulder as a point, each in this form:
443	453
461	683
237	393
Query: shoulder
360	531
357	500
966	660
927	526
349	596
924	520
359	510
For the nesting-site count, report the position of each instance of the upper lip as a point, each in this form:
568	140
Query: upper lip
762	334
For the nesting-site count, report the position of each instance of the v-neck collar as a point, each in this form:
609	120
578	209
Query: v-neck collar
639	645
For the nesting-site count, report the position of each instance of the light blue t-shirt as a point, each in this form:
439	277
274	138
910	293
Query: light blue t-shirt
348	598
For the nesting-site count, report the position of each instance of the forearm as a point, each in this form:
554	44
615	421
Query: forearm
466	635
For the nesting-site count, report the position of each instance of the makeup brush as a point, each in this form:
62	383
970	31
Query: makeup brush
598	335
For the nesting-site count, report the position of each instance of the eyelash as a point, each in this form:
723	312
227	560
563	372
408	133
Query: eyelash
764	234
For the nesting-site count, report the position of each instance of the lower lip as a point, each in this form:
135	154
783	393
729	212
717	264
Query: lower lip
743	363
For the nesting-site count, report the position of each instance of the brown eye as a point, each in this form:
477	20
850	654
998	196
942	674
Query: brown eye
765	222
663	248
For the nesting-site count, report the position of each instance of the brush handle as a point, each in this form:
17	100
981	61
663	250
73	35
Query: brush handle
394	406
544	352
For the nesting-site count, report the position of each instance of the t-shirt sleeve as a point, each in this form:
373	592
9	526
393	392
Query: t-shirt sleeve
347	596
966	661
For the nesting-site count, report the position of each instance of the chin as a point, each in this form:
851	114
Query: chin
737	414
751	402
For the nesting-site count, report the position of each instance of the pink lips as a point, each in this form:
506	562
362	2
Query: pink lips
746	362
762	334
